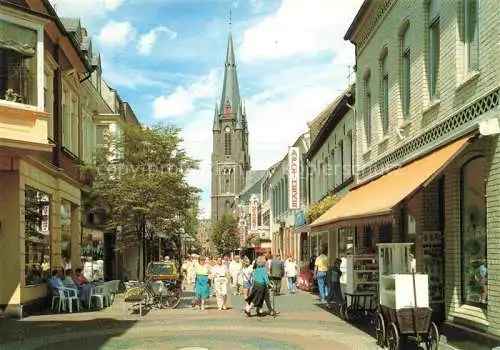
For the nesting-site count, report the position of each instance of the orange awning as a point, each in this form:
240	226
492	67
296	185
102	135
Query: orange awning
381	195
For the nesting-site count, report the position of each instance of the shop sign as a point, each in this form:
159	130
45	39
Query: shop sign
293	178
254	214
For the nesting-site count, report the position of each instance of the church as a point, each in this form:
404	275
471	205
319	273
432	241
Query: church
230	153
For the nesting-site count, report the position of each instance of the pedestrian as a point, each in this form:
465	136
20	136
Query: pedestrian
246	275
334	274
202	288
235	270
220	278
291	270
259	289
320	270
277	272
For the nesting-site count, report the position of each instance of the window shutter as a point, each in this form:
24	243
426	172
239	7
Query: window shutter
461	19
472	14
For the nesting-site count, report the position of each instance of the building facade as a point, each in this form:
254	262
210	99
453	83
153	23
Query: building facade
427	145
50	97
288	196
230	154
40	147
331	165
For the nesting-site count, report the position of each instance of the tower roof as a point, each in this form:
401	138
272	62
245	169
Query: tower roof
230	99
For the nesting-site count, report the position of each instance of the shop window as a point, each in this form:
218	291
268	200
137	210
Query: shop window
473	220
18	64
93	254
37	236
66	234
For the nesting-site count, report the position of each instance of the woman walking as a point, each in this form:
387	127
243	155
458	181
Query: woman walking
259	289
246	274
202	289
291	275
220	276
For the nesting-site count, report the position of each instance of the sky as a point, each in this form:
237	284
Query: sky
166	58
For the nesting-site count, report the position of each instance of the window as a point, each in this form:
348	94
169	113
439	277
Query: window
368	112
473	221
18	64
469	33
37	236
434	48
227	141
347	158
66	119
334	167
341	161
66	233
384	103
102	132
74	127
405	75
49	103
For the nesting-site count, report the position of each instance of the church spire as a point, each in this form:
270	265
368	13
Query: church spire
230	99
216	126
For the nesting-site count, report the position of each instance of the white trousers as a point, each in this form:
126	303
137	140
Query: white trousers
220	286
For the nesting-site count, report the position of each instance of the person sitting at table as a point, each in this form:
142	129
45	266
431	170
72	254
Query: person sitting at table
79	278
55	279
68	280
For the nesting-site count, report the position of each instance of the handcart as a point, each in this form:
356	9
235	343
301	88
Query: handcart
403	312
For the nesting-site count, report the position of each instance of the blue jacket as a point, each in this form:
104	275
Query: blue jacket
260	276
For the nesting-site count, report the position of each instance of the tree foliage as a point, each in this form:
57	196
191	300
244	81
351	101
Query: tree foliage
139	181
319	208
224	234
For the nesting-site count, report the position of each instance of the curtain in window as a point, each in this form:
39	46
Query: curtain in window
19	39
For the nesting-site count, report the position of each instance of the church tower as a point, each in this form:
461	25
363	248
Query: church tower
230	158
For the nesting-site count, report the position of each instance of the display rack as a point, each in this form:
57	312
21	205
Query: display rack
362	273
396	280
433	264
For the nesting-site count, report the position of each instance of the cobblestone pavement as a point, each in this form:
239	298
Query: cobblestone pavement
301	324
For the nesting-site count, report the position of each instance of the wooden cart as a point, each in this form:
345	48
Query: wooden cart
403	308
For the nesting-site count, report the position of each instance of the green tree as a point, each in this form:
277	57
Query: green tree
224	236
139	181
319	208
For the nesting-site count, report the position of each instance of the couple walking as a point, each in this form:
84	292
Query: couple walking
216	276
261	283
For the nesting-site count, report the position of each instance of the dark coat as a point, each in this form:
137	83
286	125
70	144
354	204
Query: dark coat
277	269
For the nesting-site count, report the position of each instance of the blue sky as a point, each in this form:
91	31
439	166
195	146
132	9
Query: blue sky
166	58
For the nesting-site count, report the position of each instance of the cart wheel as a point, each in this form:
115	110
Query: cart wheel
348	313
432	339
172	298
380	330
392	337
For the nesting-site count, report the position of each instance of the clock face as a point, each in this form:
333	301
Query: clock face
227	129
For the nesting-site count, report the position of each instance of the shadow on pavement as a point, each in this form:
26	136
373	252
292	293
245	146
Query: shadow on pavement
60	334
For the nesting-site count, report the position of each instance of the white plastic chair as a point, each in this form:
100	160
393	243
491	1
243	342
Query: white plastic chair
98	292
71	295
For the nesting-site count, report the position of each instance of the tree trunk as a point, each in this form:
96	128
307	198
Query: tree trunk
139	259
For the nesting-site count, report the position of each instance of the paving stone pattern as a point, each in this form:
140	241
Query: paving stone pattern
302	324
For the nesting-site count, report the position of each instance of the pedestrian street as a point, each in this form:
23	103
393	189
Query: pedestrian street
301	324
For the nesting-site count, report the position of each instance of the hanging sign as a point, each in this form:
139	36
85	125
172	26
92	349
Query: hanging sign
293	178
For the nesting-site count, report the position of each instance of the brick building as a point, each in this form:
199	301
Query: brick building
427	159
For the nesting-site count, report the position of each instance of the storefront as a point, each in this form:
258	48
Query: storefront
40	230
440	203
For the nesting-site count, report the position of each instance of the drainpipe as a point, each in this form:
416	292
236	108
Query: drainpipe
355	144
57	109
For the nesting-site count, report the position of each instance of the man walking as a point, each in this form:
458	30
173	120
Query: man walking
320	269
277	272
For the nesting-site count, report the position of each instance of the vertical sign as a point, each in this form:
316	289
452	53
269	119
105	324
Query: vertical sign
293	178
254	214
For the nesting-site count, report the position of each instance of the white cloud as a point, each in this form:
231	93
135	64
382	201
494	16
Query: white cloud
184	100
148	40
116	34
256	4
85	8
299	27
